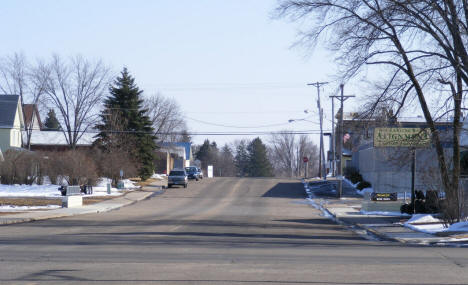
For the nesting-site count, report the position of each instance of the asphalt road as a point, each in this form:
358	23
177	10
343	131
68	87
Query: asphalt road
218	231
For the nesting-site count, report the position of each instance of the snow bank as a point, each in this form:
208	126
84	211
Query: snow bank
380	213
428	224
422	218
427	228
458	227
128	184
425	223
158	176
360	192
349	182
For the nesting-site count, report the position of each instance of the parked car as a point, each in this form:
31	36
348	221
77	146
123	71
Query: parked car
192	172
177	177
200	173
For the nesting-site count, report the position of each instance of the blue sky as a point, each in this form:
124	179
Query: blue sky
225	62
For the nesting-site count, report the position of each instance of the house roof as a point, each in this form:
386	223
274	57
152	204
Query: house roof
8	108
57	138
28	110
186	145
173	149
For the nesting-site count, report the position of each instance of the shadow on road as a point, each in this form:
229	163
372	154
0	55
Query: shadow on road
293	190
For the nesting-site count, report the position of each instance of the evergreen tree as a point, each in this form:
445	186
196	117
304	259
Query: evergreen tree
51	123
207	154
259	165
241	159
225	162
126	125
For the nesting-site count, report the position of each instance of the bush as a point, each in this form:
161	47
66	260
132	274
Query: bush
352	174
110	163
20	167
363	185
432	204
76	167
424	204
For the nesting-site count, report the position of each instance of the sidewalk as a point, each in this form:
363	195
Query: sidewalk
105	206
346	211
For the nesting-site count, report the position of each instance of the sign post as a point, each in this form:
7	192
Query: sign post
306	160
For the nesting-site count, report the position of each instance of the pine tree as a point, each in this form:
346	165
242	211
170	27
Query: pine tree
51	123
225	162
125	124
241	159
259	165
207	154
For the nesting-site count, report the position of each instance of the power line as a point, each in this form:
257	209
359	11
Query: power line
194	133
237	127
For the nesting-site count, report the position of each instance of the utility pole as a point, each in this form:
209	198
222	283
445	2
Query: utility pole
333	161
342	98
322	153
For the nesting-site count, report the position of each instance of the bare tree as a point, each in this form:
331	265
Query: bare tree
421	46
167	118
282	148
306	148
13	71
28	81
75	89
286	152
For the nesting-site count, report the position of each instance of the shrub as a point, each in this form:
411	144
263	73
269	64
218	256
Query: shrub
110	163
432	204
20	167
352	174
406	209
363	185
76	167
424	204
356	178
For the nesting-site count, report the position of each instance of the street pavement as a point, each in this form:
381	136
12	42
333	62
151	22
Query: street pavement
216	231
345	211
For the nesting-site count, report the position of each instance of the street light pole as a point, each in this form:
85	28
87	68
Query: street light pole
333	139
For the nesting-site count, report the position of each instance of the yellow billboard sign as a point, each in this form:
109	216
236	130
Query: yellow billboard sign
402	137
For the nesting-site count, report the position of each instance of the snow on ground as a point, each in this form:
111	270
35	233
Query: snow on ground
428	224
102	184
422	218
158	176
427	228
10	208
458	227
48	190
379	213
51	190
349	182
